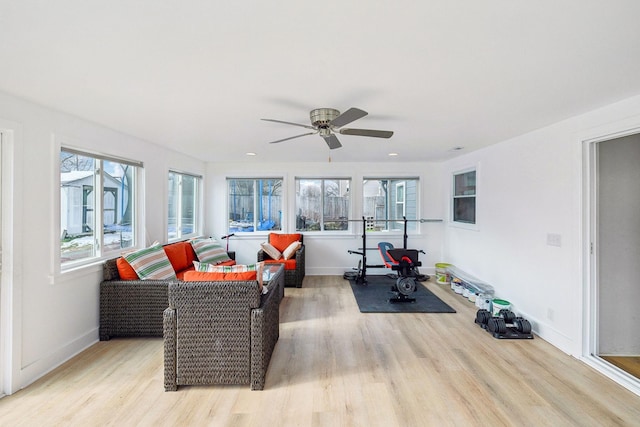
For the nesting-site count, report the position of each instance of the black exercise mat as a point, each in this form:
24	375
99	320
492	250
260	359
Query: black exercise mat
374	298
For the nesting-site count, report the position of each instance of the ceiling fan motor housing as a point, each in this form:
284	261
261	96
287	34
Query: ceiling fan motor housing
321	117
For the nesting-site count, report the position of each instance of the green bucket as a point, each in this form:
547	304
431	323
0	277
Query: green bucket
442	275
500	304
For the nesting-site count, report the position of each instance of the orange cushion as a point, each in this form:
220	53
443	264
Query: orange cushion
289	264
201	276
191	254
180	274
230	262
282	241
177	254
125	271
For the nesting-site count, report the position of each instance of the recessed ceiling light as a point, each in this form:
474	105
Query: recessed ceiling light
250	153
393	154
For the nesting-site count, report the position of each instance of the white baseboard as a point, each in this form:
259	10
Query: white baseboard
41	367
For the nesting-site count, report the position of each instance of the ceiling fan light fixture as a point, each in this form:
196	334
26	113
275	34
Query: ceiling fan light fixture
321	117
326	121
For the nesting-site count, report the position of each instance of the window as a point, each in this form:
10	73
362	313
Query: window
184	203
97	205
464	197
254	204
387	201
322	204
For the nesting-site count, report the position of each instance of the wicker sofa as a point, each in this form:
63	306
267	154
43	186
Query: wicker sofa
133	308
220	332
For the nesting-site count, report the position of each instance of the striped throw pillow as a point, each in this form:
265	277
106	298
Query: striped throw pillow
238	268
209	251
151	263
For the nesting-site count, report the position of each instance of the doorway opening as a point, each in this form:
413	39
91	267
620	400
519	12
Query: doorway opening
613	339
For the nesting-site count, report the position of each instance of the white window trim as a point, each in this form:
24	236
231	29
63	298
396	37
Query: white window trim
197	228
323	232
389	231
81	267
255	207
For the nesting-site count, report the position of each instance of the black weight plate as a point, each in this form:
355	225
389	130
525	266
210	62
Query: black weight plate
494	325
525	326
507	315
483	316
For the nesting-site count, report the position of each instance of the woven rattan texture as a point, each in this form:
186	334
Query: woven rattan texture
220	332
130	307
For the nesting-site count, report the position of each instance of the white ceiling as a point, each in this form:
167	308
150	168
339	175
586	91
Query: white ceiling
197	75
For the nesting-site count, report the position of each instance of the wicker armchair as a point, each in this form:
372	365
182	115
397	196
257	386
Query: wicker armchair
292	277
220	332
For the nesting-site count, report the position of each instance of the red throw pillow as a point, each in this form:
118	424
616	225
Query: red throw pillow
282	241
191	254
177	255
125	271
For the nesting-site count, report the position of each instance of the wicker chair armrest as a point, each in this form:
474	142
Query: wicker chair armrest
263	256
132	307
265	330
170	338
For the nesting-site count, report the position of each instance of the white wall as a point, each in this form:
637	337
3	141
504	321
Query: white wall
529	187
328	254
56	315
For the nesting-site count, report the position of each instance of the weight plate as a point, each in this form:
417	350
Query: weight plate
483	316
525	326
501	326
406	285
507	315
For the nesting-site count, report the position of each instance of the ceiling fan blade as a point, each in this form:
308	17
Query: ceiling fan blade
289	123
367	132
292	137
332	141
348	116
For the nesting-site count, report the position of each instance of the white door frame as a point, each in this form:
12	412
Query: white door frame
590	263
10	295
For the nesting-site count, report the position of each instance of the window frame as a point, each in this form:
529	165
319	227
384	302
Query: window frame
100	252
255	218
391	204
453	221
197	206
323	206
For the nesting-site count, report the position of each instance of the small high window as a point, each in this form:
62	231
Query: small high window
464	197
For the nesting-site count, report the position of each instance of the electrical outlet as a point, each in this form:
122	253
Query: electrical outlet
550	314
554	239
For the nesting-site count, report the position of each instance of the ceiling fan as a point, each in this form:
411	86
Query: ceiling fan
326	121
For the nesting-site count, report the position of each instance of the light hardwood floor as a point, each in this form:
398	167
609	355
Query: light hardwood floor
334	366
